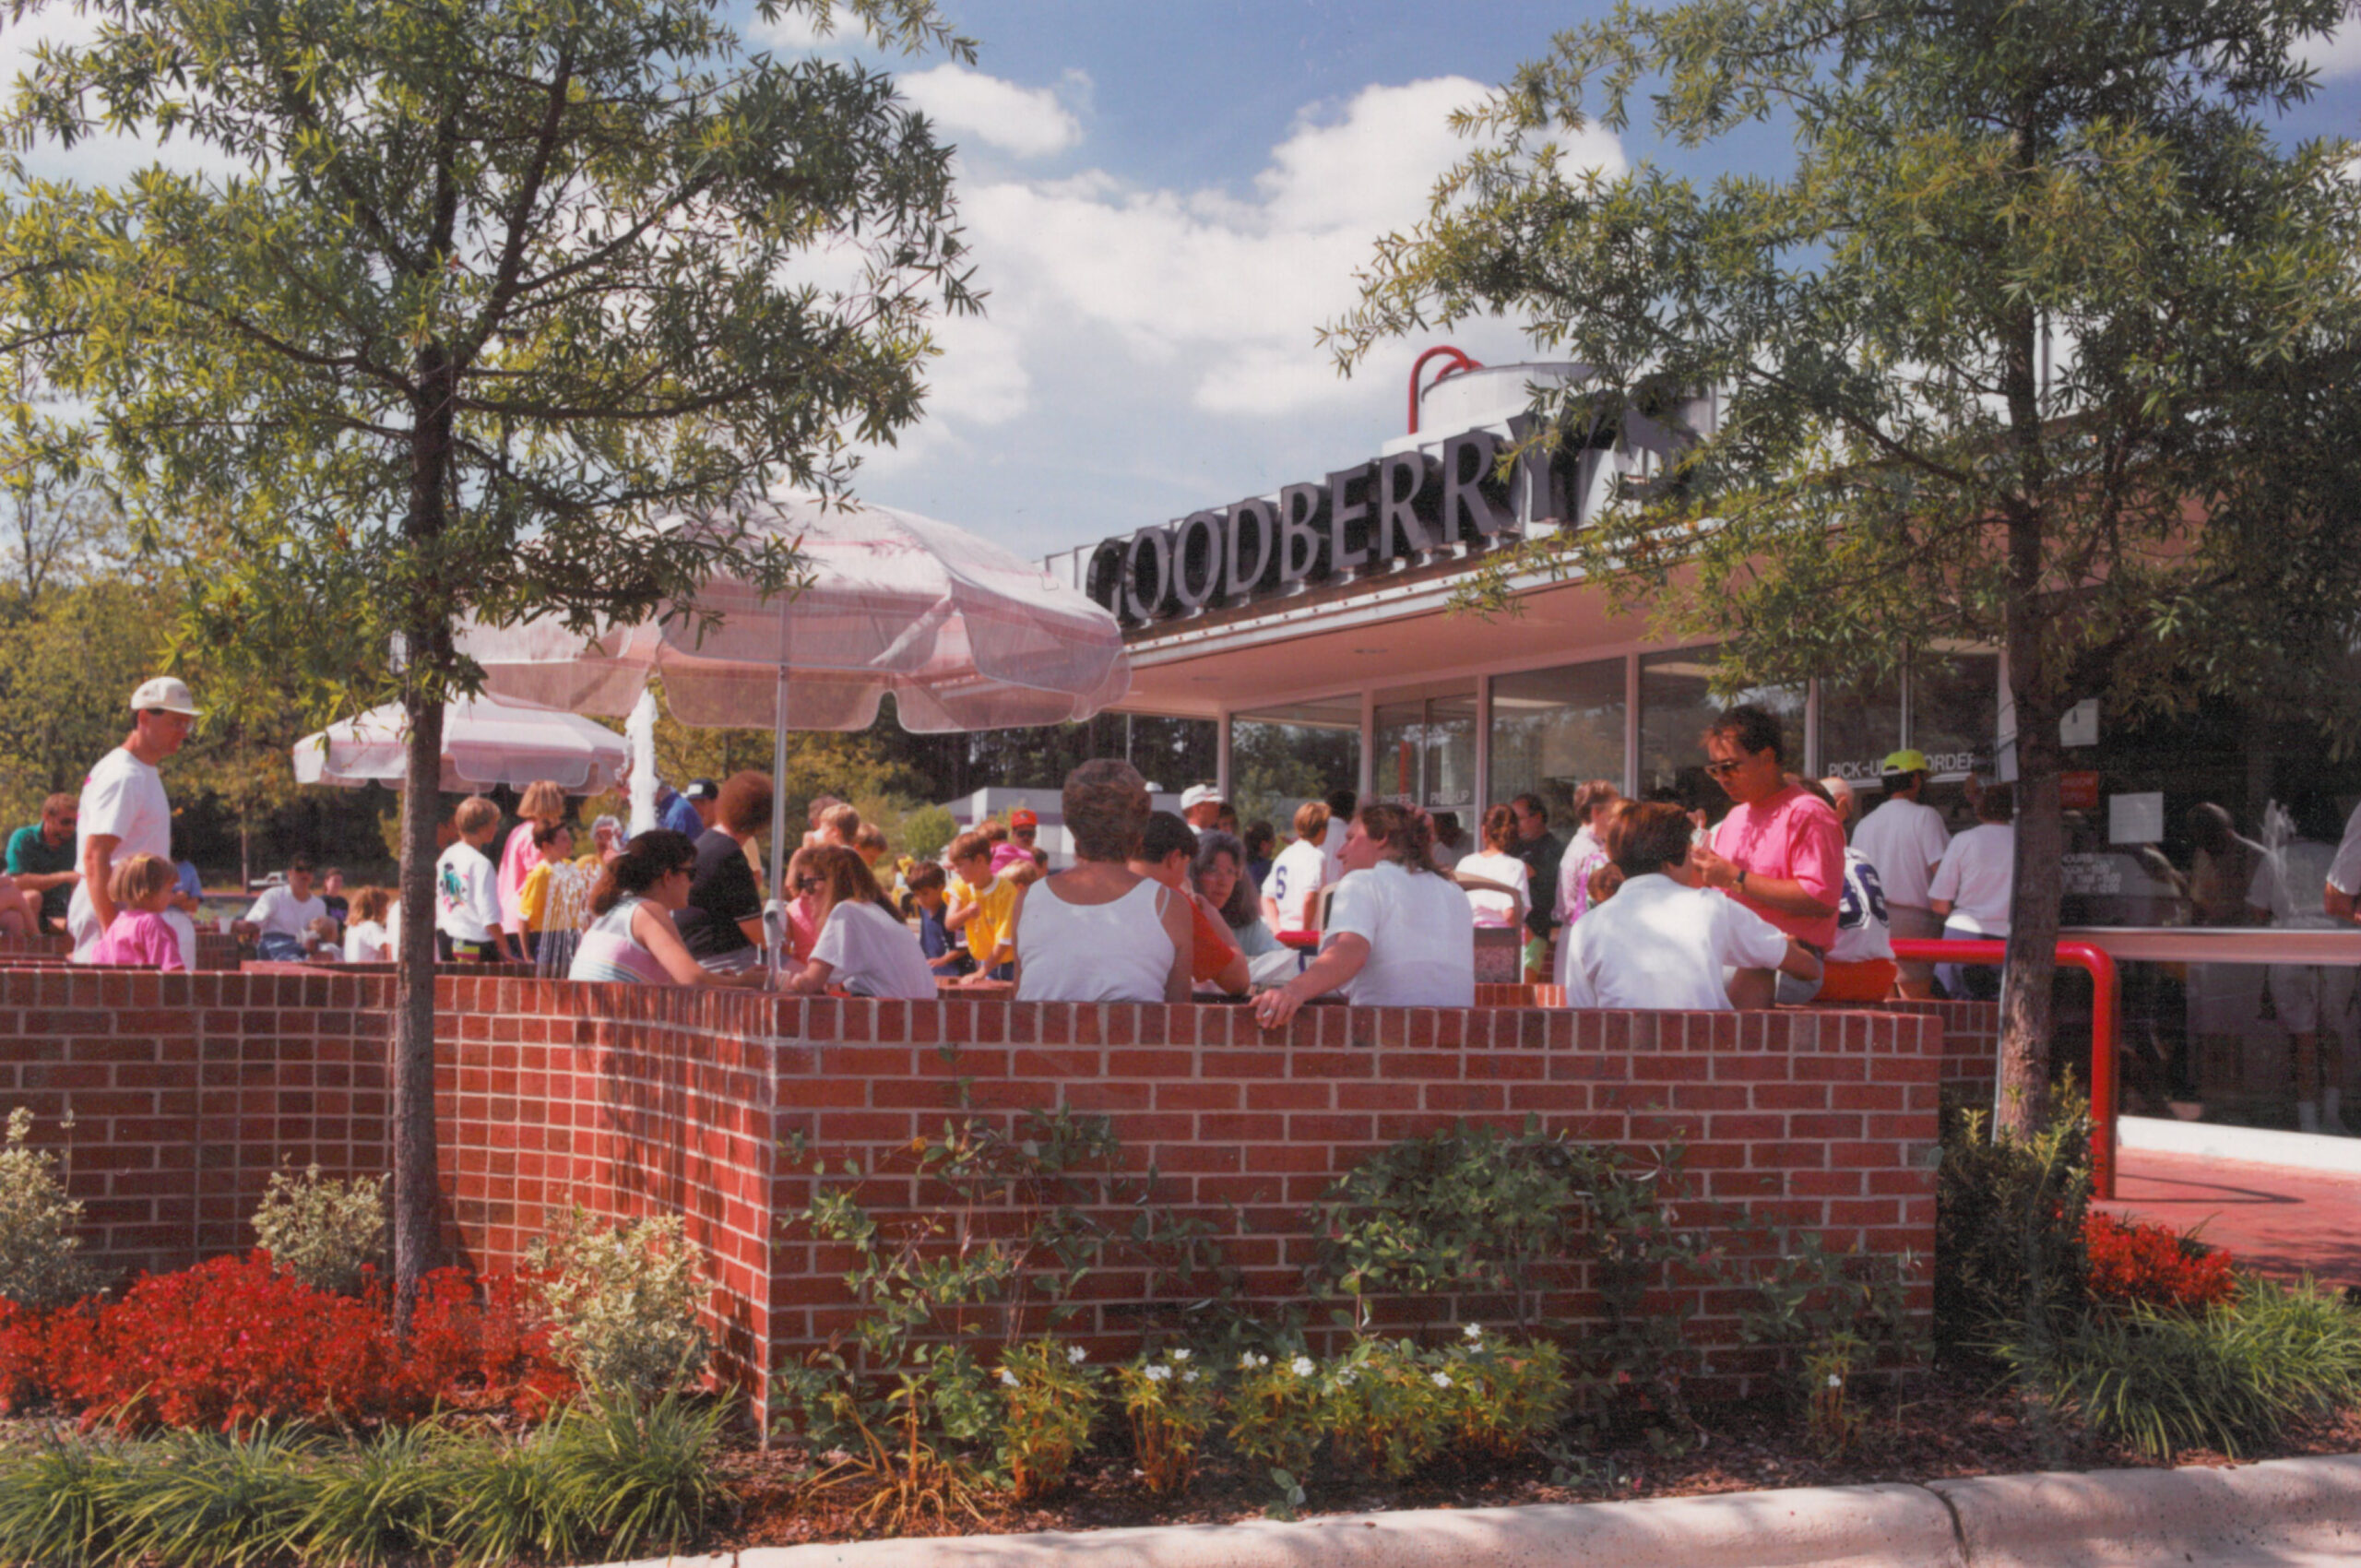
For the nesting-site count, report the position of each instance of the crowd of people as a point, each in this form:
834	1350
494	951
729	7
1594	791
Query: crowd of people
1793	894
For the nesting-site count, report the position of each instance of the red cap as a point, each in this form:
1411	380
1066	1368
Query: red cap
1022	818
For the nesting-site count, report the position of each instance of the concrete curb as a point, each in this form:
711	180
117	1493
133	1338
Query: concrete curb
2117	1518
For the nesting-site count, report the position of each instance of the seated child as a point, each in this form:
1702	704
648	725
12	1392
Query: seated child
927	900
142	889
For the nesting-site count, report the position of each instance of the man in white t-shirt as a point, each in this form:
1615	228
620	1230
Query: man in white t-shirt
1972	886
277	922
1904	839
2314	1001
123	812
1201	807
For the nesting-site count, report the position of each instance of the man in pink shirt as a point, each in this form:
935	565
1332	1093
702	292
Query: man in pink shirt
1781	851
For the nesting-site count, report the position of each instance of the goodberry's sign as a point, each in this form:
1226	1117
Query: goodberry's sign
1407	506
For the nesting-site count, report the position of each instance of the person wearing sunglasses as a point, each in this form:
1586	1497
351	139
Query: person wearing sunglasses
40	858
1024	832
863	948
1781	851
632	939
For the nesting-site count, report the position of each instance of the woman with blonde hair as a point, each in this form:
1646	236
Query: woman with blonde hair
863	948
542	805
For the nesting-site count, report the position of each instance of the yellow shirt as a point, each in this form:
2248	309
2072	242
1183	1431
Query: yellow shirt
995	901
533	898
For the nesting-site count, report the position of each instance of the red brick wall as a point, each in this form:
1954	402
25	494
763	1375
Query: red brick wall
187	1091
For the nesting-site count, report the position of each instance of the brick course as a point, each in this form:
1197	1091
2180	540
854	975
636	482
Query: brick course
186	1091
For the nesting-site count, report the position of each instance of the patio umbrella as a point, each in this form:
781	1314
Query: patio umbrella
963	633
485	742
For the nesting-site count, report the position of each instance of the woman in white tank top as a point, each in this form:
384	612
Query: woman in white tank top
1100	931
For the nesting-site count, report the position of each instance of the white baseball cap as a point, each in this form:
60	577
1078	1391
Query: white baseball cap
167	692
1196	795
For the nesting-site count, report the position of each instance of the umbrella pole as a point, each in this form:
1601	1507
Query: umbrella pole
779	825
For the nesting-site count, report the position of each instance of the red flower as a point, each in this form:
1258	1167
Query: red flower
2135	1262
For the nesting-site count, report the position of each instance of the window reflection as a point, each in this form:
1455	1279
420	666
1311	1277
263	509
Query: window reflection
1554	729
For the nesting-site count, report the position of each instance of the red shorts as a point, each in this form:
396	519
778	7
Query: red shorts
1870	980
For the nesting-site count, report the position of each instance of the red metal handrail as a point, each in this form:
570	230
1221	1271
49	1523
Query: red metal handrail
2106	993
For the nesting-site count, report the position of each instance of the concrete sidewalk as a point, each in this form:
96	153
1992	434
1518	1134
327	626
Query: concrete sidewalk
2282	1513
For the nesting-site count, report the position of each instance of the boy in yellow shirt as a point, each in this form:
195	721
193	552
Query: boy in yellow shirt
981	906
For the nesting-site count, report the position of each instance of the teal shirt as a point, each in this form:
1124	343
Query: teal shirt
29	855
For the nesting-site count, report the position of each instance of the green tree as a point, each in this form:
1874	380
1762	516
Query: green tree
502	284
1975	188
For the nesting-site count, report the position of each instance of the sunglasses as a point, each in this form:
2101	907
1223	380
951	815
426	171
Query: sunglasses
1724	768
1025	832
809	884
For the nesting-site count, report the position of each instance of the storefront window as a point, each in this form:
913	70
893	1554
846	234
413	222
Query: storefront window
1955	712
1426	752
1860	726
1554	729
1279	758
1676	703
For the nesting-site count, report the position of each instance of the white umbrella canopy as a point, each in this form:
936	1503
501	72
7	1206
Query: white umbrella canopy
966	636
485	742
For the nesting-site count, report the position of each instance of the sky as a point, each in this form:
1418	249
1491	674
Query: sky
1166	202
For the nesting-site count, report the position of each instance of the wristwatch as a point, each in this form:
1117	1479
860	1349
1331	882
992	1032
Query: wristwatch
1740	883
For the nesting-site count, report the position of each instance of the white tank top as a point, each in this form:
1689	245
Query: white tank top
1114	952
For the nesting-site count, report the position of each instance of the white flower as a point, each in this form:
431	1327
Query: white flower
1189	1377
1347	1378
1473	1331
1249	1360
1301	1366
1076	1354
1158	1373
1008	1377
1441	1380
1836	1382
1180	1355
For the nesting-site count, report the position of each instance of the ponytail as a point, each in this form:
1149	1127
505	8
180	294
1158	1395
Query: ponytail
644	861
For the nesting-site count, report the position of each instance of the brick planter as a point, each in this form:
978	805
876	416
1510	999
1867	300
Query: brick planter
186	1092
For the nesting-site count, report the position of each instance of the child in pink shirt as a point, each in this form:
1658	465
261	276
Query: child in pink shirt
142	889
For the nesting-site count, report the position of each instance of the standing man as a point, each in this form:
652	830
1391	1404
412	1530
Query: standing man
1201	808
41	859
676	812
1779	851
1905	840
1543	855
123	812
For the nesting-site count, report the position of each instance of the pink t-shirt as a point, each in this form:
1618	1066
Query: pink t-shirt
1007	855
1794	837
138	938
518	857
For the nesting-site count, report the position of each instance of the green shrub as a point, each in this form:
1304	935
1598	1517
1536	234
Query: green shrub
2233	1376
202	1501
324	1231
1278	1417
1172	1403
1386	1406
379	1501
624	1302
2009	1257
41	1266
1506	1394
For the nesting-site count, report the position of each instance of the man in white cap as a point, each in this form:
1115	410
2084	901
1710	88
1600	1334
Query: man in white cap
1201	807
1905	839
123	812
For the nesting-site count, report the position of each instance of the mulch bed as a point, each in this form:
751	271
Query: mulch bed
1935	1426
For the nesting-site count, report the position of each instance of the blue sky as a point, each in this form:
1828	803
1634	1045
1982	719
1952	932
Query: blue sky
1166	202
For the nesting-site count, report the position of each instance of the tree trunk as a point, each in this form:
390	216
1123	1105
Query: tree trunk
2026	992
427	633
415	1180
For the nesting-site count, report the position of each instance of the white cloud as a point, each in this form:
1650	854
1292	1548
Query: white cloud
2336	54
1024	122
1217	294
793	30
